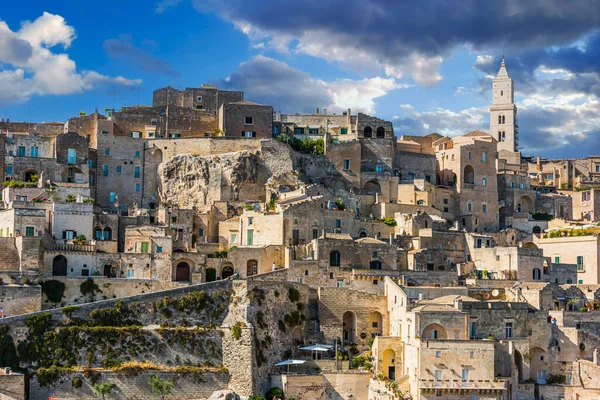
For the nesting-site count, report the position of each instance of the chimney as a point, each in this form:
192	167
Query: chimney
458	304
324	111
348	121
317	112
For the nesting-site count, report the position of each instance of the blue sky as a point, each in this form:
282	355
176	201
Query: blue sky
424	65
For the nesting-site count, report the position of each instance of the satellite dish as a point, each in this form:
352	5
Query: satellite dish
495	292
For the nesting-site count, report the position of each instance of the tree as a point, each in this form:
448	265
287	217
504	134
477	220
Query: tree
103	388
160	386
274	393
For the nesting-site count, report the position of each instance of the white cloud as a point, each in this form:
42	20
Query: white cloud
269	81
37	69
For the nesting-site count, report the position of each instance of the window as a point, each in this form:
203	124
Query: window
580	263
34	152
438	354
298	131
556	259
69	235
338	223
138	153
71	156
29	231
198	98
521	186
469	206
248	134
131	273
509	329
580	281
175	135
334	258
483	181
483	157
465	374
144	246
484	207
346	165
549	177
138	187
445	201
536	274
378	168
105	170
375	282
438	374
344	131
250	237
250	221
117	169
9	170
469	155
107	152
158	249
249	120
411	177
21	151
112	197
471	354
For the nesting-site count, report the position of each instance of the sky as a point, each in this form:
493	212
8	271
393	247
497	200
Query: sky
426	65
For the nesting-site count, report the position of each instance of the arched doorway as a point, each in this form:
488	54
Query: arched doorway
434	331
275	130
182	272
59	266
375	323
372	187
211	275
519	365
469	175
31	175
525	204
380	132
156	156
227	271
349	326
110	270
368	132
251	267
362	234
388	364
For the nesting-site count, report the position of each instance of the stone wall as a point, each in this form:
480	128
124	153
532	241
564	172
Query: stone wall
187	386
327	386
20	299
12	387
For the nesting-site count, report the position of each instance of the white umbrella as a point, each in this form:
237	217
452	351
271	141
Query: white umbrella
288	363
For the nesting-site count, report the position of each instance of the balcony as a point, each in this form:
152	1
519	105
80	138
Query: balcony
458	386
85	248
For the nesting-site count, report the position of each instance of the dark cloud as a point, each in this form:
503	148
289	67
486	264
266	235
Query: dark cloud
389	31
124	49
13	49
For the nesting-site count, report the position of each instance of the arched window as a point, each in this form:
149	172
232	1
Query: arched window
536	274
380	132
484	182
503	119
469	175
368	132
483	157
499	119
502	93
98	233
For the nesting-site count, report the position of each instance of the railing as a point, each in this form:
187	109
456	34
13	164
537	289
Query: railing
460	384
468	186
88	248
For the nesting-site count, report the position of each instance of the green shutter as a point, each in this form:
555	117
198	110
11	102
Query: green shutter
144	247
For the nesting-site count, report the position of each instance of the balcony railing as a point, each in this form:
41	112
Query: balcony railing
88	248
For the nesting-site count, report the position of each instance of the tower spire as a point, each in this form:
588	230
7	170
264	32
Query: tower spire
502	73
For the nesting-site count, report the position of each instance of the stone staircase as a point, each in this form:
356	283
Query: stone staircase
9	256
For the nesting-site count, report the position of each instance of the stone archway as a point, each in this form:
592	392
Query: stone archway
372	187
110	270
434	331
368	132
376	323
469	175
388	364
31	175
59	266
227	271
381	132
349	327
182	272
211	275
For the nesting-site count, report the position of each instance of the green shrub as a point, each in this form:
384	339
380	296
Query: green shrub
358	362
54	290
389	221
8	351
293	295
77	382
236	330
542	217
256	397
557	379
306	146
274	392
339	204
583	309
89	287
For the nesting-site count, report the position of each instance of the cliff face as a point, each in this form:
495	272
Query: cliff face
197	181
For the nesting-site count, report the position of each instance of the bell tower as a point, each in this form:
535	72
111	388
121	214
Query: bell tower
503	112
